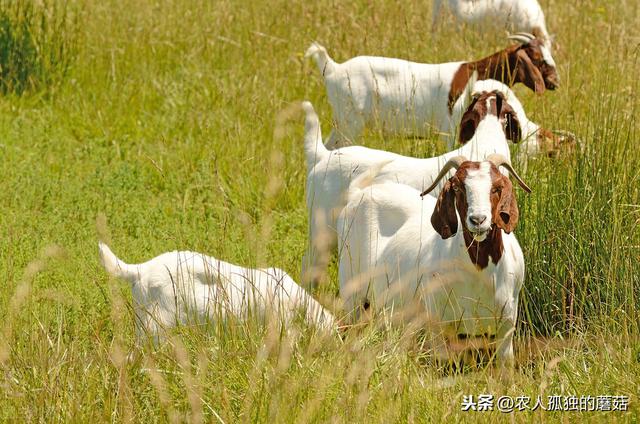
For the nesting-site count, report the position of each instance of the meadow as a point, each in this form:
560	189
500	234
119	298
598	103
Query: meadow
176	125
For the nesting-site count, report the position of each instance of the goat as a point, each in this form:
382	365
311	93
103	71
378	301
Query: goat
407	98
329	172
176	287
392	258
517	15
534	139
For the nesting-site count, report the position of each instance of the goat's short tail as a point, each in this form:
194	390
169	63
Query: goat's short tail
115	266
314	148
320	55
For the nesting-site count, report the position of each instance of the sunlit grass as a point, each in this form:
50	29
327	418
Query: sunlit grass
37	44
166	123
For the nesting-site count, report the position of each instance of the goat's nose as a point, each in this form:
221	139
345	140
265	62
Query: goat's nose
552	82
477	219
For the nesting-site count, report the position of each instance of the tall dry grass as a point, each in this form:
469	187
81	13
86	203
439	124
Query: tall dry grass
169	124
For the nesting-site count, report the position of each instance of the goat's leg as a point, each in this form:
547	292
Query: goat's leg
504	348
322	242
348	127
435	14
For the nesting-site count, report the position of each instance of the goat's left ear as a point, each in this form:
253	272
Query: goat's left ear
468	125
509	118
507	214
529	74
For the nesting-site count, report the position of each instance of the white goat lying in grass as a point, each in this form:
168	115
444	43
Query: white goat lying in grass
513	15
189	287
398	248
488	123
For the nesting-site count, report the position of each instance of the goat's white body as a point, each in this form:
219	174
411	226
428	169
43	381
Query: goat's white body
399	96
190	287
402	97
517	15
390	256
329	173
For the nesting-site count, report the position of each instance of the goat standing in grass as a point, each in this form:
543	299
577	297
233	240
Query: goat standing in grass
410	98
405	252
487	125
513	15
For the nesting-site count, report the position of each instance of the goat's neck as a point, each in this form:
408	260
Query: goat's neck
489	132
490	249
499	66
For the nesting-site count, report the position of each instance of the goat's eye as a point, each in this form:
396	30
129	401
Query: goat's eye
455	188
496	190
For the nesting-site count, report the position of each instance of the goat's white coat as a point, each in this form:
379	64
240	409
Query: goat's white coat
400	96
190	287
329	173
517	15
478	183
391	256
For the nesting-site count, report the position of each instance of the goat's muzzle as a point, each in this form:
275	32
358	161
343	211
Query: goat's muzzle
552	82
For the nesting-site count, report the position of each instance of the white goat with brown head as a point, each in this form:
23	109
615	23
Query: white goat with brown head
453	259
488	124
410	98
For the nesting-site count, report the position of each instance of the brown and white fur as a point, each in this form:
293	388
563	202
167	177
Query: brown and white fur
455	257
489	124
532	140
410	98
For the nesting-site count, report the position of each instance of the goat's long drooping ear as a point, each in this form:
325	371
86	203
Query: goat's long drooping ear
528	73
444	218
469	122
507	214
509	118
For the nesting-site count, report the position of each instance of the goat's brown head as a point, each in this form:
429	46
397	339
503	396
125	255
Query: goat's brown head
482	196
554	144
533	64
490	103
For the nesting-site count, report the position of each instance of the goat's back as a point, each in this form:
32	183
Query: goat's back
397	95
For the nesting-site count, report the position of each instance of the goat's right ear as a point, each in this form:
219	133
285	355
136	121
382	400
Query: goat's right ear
529	74
444	218
468	124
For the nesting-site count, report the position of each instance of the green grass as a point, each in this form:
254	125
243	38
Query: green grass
174	121
37	44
